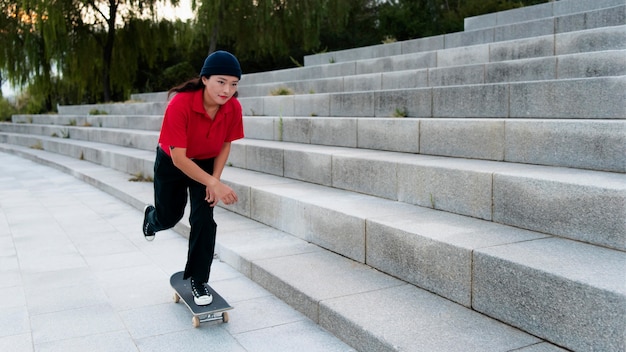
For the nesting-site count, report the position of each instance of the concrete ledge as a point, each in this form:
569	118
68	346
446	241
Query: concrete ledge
310	280
553	203
508	25
136	122
570	98
590	304
115	109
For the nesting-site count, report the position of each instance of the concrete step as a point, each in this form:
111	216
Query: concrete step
561	98
591	40
528	13
581	65
133	138
537	198
566	98
582	144
137	122
592	19
130	109
472	262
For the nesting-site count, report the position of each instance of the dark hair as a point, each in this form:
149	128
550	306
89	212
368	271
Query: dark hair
190	86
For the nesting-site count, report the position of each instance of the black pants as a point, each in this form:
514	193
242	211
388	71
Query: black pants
170	199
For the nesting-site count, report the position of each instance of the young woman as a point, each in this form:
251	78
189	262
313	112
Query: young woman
200	121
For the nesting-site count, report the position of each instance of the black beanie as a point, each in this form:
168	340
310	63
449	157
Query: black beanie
221	63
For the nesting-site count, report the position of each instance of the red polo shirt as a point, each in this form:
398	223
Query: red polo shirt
187	125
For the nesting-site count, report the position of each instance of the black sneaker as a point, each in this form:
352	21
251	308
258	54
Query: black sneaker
201	294
147	231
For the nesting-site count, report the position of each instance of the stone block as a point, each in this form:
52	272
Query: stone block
265	159
280	105
372	81
472	55
541	287
312	105
253	106
405	79
365	172
489	100
594	64
237	155
463	138
383	64
259	127
356	104
522	49
587	144
415	61
265	207
309	165
404	103
599	39
457	186
305	280
295	129
423	44
574	6
467	38
480	22
344	131
436	324
614	16
538	69
433	250
459	75
338	69
398	134
525	30
588	98
315	86
577	204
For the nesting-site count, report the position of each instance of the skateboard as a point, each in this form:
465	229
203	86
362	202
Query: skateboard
215	311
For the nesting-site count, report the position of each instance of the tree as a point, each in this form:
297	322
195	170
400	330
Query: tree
70	37
258	28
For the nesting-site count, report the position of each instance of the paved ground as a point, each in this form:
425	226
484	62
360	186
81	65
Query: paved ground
77	275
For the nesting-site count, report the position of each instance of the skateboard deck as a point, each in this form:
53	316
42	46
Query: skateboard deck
217	310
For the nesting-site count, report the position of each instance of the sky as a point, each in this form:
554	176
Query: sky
182	11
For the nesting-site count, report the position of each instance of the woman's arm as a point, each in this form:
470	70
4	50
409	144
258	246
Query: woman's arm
220	160
215	190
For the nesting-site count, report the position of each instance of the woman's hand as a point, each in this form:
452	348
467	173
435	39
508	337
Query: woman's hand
220	192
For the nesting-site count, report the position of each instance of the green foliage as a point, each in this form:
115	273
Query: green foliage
6	109
281	91
97	112
400	112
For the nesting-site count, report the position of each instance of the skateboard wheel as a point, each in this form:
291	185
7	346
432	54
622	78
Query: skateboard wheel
225	317
195	321
176	298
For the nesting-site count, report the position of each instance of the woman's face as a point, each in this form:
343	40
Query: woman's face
219	88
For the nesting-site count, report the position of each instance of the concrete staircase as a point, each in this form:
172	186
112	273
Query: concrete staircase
491	216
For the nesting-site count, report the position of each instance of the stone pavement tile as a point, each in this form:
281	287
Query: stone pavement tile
58	299
14	321
302	335
16	343
150	321
74	323
260	313
76	274
201	339
115	341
